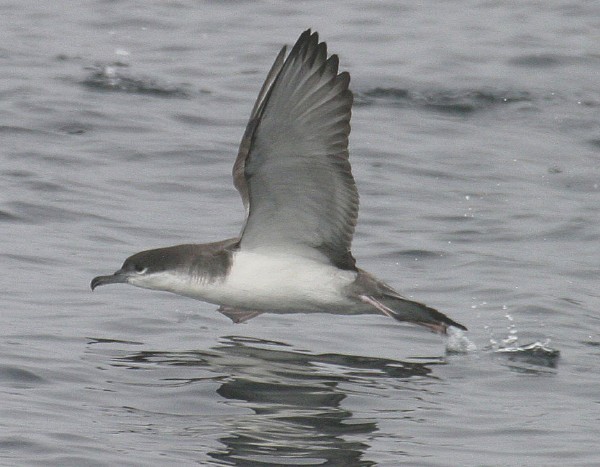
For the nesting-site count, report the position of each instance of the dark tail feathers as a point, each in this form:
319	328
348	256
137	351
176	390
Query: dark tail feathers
414	312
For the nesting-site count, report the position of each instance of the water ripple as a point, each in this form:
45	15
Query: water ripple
15	377
459	101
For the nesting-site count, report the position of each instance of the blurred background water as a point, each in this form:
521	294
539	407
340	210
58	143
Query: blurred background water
475	144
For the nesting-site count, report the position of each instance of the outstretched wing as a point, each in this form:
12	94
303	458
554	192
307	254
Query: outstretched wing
292	169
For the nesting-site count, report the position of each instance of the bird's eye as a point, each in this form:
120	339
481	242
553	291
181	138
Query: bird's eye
139	268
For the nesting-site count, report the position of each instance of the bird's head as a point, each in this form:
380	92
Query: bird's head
144	269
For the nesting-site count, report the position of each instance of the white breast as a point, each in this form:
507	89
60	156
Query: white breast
279	282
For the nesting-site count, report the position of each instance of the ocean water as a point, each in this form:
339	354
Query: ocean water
476	149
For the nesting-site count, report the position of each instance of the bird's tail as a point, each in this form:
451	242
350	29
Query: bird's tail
402	309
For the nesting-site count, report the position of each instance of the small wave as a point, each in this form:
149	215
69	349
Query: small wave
41	213
543	60
19	130
102	340
113	78
418	254
447	101
8	217
15	377
74	128
595	143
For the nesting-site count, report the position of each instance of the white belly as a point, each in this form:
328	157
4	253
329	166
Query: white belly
279	282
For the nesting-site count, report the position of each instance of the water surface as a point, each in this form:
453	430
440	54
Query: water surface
475	145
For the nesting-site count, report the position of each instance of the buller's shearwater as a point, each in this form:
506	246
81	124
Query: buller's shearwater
292	171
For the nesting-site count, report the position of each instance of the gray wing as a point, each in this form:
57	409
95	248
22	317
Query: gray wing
292	169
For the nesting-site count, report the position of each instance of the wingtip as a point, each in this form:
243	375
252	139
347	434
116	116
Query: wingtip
306	41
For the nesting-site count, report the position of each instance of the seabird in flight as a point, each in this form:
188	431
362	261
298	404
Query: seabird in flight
293	174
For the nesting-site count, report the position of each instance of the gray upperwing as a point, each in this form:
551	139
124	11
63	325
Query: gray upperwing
239	179
292	168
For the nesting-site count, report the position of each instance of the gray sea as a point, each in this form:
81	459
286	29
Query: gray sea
476	149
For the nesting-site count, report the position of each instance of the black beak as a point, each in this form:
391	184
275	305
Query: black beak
118	277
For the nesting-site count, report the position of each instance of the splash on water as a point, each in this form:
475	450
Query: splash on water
114	78
458	342
535	354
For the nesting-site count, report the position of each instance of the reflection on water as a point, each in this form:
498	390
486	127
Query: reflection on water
295	398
